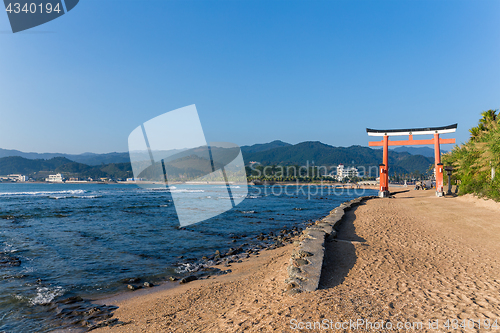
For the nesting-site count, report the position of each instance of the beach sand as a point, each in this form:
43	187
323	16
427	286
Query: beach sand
412	258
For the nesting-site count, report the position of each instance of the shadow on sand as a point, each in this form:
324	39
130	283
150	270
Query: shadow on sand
340	253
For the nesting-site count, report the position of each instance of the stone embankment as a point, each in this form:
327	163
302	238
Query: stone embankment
306	260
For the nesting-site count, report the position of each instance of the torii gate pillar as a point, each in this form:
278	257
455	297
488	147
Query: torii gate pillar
436	141
384	171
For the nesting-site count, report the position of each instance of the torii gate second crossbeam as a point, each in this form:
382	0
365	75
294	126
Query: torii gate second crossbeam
436	141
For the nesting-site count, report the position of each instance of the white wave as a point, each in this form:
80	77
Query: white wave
248	211
187	191
43	193
89	196
57	198
252	196
9	248
75	197
45	295
232	186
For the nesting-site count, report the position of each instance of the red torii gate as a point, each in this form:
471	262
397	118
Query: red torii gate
436	141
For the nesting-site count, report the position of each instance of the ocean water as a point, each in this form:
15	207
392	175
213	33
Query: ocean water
66	240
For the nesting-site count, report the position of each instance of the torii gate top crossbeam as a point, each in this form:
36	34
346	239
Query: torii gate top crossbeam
413	131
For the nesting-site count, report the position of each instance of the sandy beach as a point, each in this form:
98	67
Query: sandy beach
411	259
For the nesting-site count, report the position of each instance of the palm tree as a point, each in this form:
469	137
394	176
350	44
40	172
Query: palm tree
489	117
475	132
489	121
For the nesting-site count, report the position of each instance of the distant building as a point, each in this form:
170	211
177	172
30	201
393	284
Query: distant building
346	172
135	179
58	178
18	178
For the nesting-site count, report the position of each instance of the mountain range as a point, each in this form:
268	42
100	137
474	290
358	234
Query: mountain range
117	165
85	158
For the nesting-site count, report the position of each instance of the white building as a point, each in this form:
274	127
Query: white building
346	172
18	178
59	178
135	179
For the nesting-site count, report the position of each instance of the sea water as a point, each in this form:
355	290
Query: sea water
62	240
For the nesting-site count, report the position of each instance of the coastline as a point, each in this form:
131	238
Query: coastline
328	184
82	307
252	297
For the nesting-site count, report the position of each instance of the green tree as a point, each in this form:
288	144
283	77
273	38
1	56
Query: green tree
475	160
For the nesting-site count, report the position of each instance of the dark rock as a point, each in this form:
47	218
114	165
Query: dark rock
234	251
132	287
188	279
294	291
6	260
303	254
300	262
217	255
293	271
70	300
148	284
131	280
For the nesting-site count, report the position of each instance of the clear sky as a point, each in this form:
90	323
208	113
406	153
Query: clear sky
257	70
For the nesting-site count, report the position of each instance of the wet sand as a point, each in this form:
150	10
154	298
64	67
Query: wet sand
412	258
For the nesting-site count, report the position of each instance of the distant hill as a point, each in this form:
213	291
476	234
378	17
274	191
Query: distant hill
85	158
39	168
99	159
117	165
323	154
264	146
424	151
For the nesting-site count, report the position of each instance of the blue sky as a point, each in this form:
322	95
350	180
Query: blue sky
256	70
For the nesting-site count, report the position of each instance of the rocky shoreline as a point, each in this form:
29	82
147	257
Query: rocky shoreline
83	314
304	269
